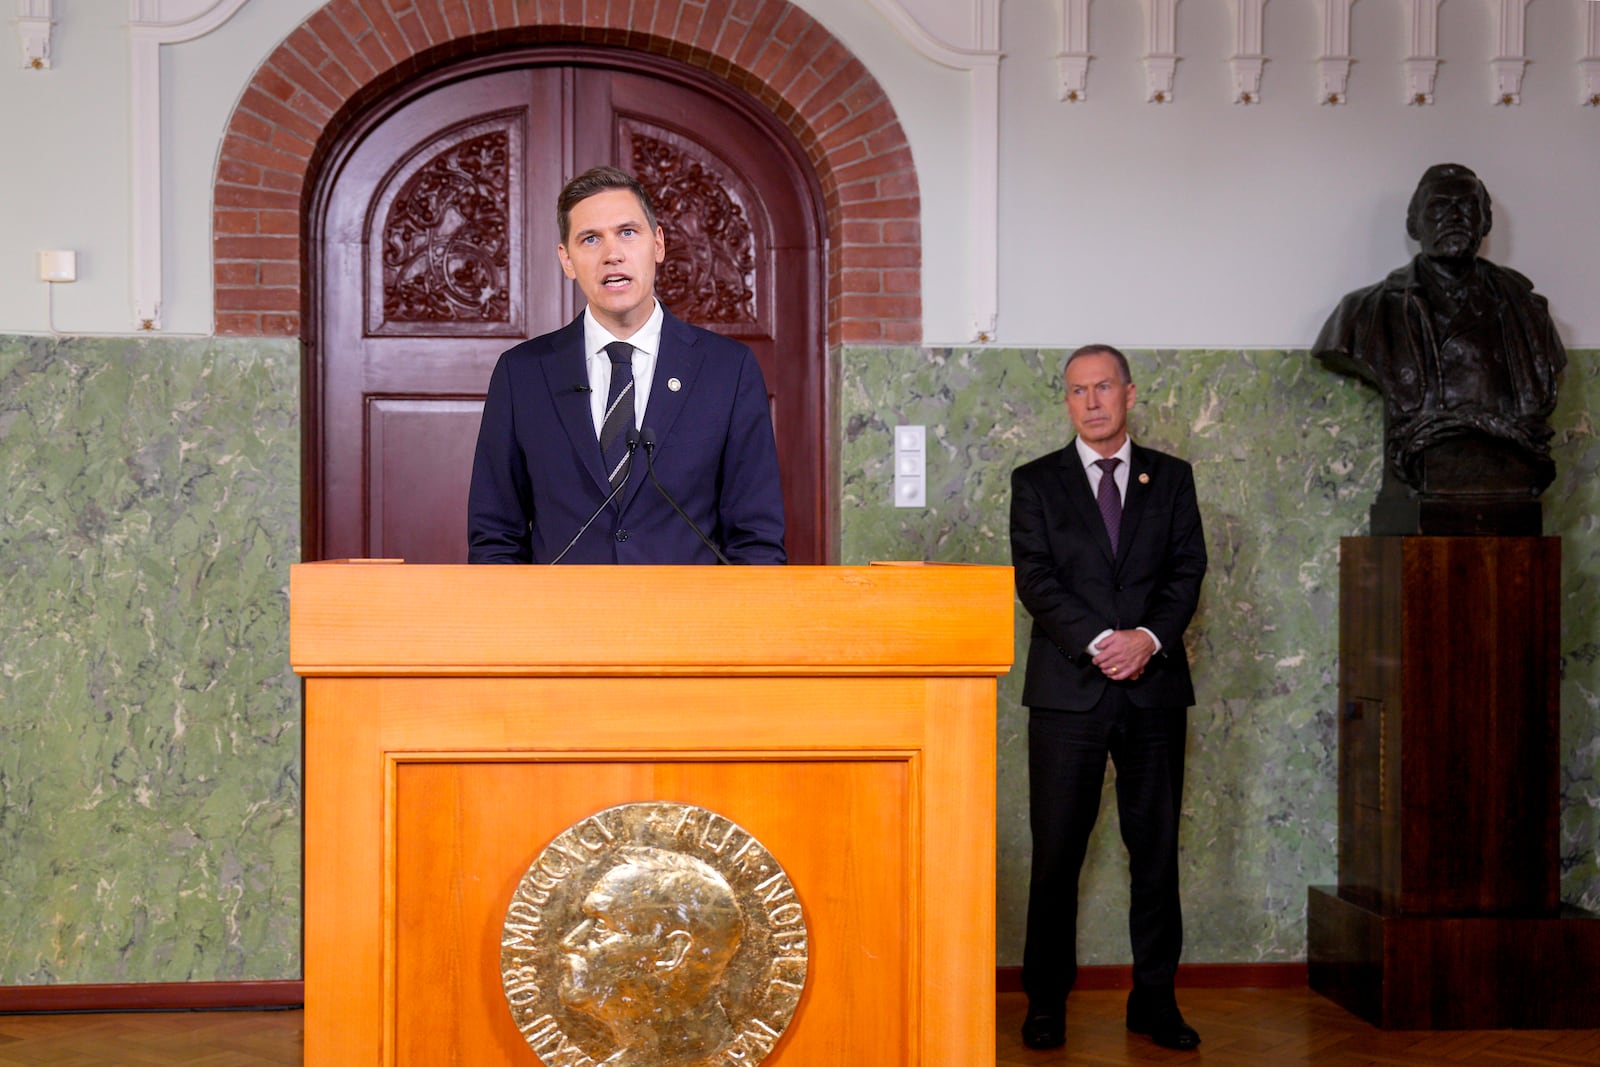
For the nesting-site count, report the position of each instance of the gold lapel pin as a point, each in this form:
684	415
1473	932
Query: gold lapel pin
1144	479
674	384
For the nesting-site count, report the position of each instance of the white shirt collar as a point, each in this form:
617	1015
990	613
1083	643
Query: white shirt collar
1087	456
646	340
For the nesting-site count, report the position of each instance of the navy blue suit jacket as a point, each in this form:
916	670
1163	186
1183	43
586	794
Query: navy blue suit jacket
538	474
1075	588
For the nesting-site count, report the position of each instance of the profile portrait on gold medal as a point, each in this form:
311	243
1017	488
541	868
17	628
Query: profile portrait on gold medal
654	934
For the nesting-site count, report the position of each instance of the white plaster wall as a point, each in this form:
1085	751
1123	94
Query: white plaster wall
76	115
1202	223
202	81
1197	223
935	109
64	182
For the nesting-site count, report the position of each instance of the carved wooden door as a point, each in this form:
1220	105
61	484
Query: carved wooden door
435	251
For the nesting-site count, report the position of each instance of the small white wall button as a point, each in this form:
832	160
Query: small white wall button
58	266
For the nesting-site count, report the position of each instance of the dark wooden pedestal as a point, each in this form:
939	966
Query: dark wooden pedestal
1408	972
1447	913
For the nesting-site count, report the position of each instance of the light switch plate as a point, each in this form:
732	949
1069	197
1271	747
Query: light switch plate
910	467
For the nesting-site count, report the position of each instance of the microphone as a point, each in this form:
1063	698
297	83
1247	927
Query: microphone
649	441
633	445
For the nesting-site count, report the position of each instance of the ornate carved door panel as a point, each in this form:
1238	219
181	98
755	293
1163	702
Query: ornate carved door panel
437	252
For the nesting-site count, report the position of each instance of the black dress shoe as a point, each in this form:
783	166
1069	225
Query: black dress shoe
1044	1029
1163	1024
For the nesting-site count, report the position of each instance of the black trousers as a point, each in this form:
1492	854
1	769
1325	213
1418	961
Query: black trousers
1067	752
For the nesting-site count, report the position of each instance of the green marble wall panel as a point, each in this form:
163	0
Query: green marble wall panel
149	724
150	727
1286	459
1572	509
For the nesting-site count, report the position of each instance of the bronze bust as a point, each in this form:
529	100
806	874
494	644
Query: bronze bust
1468	361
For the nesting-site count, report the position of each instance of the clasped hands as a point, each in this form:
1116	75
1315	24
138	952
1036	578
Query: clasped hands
1123	654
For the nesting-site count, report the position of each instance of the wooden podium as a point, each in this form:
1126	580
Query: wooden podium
1448	914
459	718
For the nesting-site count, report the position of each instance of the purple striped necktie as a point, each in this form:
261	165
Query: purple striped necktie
1109	499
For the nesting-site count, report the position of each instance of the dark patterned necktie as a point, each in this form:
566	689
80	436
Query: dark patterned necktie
619	413
1110	500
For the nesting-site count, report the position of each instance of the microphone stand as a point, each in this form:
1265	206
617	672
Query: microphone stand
633	445
649	461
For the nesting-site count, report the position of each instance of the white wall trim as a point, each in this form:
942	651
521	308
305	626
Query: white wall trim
979	57
151	24
1161	49
1422	58
1510	60
1247	60
1589	65
1073	59
36	21
1333	66
984	32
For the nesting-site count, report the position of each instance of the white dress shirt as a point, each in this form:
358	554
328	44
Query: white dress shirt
1089	457
646	343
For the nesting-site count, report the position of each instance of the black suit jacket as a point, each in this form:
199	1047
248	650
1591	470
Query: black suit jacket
1075	588
538	473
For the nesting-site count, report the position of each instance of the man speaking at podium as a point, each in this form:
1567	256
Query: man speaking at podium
628	435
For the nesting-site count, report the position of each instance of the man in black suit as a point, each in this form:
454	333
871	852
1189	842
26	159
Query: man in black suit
577	422
1109	555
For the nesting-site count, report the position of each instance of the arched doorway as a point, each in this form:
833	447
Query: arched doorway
336	66
432	250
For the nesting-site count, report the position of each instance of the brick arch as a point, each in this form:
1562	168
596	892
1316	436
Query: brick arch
351	51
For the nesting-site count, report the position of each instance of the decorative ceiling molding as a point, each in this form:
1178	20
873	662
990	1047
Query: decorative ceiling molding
1074	57
151	24
1589	65
1247	59
1333	66
1509	62
1161	49
979	56
983	33
1422	59
36	20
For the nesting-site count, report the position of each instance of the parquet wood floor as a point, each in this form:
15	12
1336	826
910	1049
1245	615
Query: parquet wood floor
154	1039
1278	1028
1239	1028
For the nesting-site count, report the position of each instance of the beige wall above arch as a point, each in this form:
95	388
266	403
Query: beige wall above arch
351	49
